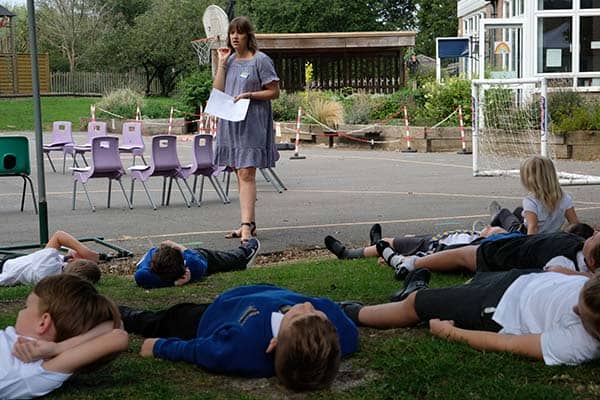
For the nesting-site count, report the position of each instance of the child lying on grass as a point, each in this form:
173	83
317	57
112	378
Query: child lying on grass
66	325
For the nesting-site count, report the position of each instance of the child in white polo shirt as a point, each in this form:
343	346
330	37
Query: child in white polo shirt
31	268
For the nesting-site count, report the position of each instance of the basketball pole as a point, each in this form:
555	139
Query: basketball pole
37	119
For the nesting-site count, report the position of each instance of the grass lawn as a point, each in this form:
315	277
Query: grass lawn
399	363
17	114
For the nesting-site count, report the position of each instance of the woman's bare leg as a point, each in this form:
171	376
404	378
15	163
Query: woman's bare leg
247	187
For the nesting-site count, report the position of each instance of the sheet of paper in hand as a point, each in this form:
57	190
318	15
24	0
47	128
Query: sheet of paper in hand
221	105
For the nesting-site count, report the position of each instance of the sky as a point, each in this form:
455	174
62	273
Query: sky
11	3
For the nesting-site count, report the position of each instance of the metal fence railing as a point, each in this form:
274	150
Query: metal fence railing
98	83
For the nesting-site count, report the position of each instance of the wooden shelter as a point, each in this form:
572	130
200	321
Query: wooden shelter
15	69
370	61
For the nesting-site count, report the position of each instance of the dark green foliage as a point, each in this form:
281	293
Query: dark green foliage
443	100
387	105
569	111
435	19
194	89
358	108
285	108
157	107
122	102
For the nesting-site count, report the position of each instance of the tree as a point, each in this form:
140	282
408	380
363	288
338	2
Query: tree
435	19
160	39
310	15
70	26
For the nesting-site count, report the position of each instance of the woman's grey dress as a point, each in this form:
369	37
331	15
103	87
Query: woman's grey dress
251	142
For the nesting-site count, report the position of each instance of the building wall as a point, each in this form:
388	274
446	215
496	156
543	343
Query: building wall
560	40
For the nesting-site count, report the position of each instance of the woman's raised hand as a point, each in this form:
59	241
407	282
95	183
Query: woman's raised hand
223	53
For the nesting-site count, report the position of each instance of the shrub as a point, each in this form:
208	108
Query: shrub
194	90
157	107
285	108
442	100
357	108
388	105
563	105
122	102
324	109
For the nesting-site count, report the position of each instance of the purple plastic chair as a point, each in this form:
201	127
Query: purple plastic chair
62	135
164	163
202	165
95	129
106	163
132	142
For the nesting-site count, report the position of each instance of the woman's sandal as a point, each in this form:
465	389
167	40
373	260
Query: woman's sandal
238	232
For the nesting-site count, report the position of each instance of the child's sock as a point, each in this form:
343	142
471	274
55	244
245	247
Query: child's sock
397	261
354	253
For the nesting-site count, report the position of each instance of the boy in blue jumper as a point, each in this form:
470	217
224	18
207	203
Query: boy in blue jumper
172	264
252	331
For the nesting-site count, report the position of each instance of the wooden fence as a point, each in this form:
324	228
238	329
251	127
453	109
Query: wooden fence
99	83
374	72
15	74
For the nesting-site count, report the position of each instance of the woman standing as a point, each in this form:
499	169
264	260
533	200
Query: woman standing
246	73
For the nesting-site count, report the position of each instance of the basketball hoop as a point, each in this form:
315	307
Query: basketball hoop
216	27
203	48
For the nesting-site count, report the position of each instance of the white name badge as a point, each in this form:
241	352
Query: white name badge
244	75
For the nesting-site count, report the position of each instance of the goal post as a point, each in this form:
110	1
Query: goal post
510	123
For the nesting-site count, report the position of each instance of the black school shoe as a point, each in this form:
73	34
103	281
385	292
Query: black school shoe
415	280
335	246
351	309
375	234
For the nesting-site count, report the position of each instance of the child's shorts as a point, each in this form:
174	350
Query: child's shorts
408	246
471	305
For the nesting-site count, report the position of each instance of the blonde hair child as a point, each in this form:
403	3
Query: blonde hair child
547	206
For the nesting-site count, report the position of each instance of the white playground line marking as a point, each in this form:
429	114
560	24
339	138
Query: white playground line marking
332	225
439	164
593	204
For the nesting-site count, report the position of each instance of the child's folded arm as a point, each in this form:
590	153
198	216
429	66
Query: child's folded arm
88	352
76	352
525	345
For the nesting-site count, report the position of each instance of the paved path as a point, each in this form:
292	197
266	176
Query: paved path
332	191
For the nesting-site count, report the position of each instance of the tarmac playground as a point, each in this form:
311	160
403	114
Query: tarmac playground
332	191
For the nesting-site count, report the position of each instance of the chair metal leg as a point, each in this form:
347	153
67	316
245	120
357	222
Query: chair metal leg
143	159
88	196
109	191
195	181
181	191
219	190
51	163
193	200
35	207
23	194
84	160
264	174
162	201
273	182
133	162
125	194
228	180
148	194
64	161
276	177
74	194
131	192
201	193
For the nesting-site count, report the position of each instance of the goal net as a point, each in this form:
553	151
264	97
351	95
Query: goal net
510	123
